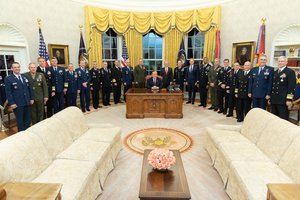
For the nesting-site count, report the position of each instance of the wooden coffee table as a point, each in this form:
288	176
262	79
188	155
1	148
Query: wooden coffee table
168	185
33	191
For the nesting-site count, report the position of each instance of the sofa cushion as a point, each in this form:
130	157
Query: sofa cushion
237	151
228	127
110	135
255	122
23	157
248	180
54	135
79	179
290	161
74	120
276	138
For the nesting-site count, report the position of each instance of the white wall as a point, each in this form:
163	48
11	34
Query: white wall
60	21
240	21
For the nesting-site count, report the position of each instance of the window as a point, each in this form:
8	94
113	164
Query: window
195	45
5	64
109	47
152	52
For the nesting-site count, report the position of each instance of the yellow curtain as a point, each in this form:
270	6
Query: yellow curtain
172	41
210	43
134	46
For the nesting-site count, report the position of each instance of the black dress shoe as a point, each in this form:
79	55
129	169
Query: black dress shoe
215	109
83	110
224	113
210	108
121	102
193	103
88	109
220	111
95	108
239	120
108	104
188	102
229	115
200	105
204	106
116	102
99	106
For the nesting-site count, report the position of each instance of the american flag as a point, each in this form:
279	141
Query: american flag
42	48
124	53
260	45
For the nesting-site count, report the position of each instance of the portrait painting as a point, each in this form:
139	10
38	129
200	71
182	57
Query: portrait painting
60	52
243	52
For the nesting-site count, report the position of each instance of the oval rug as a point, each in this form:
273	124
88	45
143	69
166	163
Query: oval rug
151	138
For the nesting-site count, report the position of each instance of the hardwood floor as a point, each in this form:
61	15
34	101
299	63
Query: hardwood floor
203	180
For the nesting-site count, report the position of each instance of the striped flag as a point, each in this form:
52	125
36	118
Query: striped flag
42	48
261	41
182	54
297	90
218	45
124	53
82	55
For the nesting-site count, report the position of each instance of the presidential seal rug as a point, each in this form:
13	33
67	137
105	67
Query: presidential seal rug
151	138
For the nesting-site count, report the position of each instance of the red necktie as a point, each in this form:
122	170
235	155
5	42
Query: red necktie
166	70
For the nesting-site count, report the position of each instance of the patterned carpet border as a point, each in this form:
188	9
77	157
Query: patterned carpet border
127	140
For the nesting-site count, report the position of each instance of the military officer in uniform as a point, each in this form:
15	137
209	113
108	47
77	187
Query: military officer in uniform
106	84
222	80
40	93
95	84
260	83
179	75
127	77
241	93
116	75
139	74
167	75
191	80
212	79
203	81
232	83
284	83
58	85
19	96
84	82
43	69
72	86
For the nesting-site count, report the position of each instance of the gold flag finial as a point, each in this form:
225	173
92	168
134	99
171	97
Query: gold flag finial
39	21
80	27
263	20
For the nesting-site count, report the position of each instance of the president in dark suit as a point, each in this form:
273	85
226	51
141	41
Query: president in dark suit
284	83
154	82
260	83
191	80
19	95
167	75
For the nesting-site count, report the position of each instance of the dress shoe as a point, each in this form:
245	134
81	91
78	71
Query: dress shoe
116	102
99	106
215	109
229	115
200	105
88	109
83	110
210	108
193	103
220	111
95	108
188	102
224	113
109	104
204	106
121	102
239	120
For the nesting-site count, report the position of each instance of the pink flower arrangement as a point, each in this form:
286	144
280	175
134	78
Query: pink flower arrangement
161	159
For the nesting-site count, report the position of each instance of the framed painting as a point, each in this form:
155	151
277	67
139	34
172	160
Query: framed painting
242	52
60	52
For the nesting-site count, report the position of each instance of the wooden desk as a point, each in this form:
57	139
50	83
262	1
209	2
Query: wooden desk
169	185
141	102
283	192
32	191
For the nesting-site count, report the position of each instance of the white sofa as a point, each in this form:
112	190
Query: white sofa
62	149
264	149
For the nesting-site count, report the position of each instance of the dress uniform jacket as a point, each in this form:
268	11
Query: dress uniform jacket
260	84
84	76
167	76
72	82
283	88
48	76
95	76
139	74
233	80
106	84
127	75
241	88
39	85
57	78
179	76
223	76
203	75
116	75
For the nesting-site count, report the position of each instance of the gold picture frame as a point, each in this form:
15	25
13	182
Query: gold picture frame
242	52
61	52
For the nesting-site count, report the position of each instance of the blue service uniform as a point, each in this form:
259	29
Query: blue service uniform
84	76
72	86
260	85
58	84
192	78
127	77
19	92
106	85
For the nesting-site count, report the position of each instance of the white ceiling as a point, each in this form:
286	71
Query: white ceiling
151	5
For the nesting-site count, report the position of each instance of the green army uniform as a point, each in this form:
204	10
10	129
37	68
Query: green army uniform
212	78
139	75
40	91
